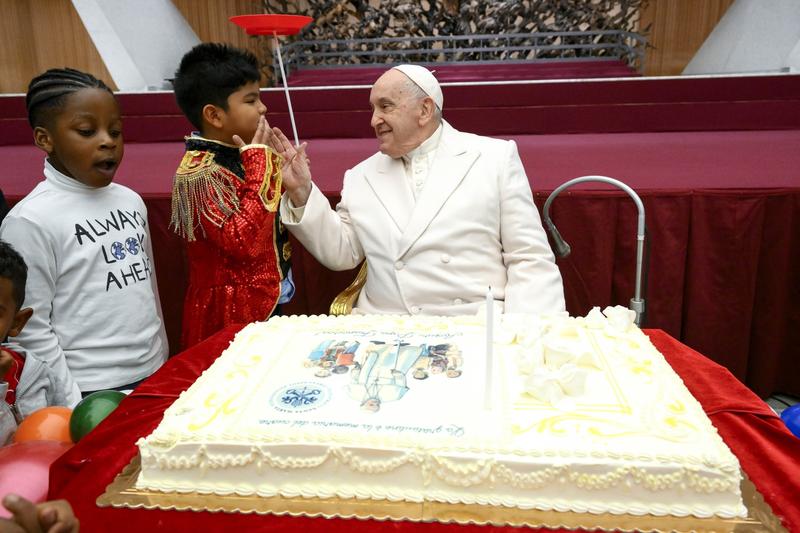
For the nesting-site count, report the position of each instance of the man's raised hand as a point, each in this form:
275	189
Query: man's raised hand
295	171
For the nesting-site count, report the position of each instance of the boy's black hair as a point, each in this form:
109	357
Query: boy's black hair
47	92
13	268
208	74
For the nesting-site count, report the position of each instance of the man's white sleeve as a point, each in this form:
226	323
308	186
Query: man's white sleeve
534	281
327	234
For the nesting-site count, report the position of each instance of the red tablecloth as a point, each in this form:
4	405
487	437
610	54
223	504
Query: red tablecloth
767	451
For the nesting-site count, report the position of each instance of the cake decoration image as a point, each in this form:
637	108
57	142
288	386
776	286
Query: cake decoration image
378	369
439	359
332	356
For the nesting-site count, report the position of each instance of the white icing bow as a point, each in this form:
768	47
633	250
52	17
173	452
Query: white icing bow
620	319
554	386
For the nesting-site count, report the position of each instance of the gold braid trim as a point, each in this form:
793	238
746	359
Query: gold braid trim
271	182
200	189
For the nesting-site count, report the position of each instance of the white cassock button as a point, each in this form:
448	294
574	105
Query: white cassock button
416	309
458	301
418	170
399	265
445	258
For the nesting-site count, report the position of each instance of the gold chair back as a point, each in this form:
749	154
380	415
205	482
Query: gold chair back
344	301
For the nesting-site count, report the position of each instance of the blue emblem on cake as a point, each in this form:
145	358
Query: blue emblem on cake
300	397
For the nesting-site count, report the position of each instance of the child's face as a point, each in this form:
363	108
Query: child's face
245	108
5	365
84	140
11	320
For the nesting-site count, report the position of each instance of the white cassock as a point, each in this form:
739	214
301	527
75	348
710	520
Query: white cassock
472	226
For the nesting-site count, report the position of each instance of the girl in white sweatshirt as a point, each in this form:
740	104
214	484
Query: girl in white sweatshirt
91	282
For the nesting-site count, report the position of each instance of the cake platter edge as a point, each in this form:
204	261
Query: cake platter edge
122	493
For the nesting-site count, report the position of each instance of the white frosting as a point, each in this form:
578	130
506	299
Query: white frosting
587	417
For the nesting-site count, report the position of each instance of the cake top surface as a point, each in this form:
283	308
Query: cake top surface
583	388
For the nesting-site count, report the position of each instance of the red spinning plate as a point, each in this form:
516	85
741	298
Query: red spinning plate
268	24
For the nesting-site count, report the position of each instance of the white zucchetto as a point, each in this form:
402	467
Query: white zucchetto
425	80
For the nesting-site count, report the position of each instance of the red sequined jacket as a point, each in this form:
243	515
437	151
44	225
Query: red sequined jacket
225	203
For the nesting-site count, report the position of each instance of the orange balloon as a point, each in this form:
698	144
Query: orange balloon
48	423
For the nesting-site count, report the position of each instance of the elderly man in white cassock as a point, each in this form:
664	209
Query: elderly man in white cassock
439	215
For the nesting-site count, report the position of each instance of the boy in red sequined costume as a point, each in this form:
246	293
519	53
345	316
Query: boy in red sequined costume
225	195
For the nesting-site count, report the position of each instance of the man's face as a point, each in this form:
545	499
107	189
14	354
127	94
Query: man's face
396	114
245	108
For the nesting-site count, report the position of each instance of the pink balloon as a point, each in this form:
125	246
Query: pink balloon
25	469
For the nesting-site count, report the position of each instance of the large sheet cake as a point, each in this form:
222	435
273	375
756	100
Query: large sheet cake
579	414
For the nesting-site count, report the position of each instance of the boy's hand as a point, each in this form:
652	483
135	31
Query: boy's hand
51	517
56	516
262	135
296	169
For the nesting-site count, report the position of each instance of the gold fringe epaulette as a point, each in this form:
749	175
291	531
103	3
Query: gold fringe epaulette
201	188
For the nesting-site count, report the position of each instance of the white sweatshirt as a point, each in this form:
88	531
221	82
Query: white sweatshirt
38	385
92	286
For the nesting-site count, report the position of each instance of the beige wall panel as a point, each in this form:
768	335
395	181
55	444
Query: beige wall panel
678	29
42	34
17	54
209	20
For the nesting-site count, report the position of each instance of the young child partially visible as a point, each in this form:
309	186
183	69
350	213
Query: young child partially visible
226	194
52	516
29	383
91	282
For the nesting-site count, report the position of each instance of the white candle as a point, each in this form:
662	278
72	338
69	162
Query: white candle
489	351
